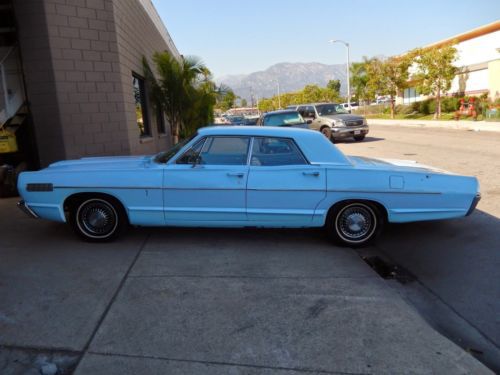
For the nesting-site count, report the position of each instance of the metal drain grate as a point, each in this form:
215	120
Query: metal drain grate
387	270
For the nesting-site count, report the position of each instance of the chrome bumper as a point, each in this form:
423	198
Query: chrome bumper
474	203
349	131
25	208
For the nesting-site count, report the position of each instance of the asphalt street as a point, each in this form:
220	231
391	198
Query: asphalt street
457	262
216	301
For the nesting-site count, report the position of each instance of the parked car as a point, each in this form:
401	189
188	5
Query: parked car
249	176
235	120
384	100
251	120
334	121
352	107
284	117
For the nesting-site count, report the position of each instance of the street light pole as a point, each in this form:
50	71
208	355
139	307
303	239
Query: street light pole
347	71
279	95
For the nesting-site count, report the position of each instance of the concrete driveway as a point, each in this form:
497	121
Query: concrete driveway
199	301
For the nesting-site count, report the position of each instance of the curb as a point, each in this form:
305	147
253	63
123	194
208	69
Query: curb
457	125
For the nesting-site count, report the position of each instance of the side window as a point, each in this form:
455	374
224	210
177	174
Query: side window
310	111
276	151
225	151
191	155
302	111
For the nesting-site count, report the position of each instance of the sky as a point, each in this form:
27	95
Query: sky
240	37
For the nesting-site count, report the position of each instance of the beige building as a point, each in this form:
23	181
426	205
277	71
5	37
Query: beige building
72	77
478	62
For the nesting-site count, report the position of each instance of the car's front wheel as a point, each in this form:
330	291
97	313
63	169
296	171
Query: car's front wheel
354	224
327	132
98	219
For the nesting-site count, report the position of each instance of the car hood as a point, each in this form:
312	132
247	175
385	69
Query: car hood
394	164
107	162
345	117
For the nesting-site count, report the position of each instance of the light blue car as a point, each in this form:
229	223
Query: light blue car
245	177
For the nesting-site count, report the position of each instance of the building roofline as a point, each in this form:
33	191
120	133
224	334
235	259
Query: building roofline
160	26
471	34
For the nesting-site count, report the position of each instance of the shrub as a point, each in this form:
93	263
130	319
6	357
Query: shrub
422	107
432	106
450	104
404	109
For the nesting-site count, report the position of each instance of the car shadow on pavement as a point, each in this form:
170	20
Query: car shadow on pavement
458	263
366	140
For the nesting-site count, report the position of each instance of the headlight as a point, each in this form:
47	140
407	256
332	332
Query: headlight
339	123
365	122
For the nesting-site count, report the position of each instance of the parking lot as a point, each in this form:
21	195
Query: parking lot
212	301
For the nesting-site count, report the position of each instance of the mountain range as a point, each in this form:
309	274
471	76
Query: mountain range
291	77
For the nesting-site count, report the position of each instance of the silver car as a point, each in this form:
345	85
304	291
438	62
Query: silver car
334	121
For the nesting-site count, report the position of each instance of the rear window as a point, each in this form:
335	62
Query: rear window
283	119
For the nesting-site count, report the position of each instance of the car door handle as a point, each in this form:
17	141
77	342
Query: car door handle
235	174
315	173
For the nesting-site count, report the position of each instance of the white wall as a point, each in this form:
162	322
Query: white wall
479	50
472	52
476	81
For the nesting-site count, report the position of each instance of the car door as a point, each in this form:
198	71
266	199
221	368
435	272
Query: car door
309	114
283	188
208	182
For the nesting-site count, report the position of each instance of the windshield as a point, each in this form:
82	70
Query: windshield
283	119
165	156
330	109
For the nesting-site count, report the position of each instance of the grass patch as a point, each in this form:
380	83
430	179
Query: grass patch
416	116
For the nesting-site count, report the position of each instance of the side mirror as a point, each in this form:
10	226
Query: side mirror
309	122
195	160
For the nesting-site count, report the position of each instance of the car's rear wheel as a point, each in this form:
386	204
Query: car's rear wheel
98	219
327	132
359	138
354	224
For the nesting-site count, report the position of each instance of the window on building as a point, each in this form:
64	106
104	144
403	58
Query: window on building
160	120
141	111
410	95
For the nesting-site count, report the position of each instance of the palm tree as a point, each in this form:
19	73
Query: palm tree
184	90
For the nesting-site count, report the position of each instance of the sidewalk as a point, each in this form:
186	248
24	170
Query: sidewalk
204	301
461	124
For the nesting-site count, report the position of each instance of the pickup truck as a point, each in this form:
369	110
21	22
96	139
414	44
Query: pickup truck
333	120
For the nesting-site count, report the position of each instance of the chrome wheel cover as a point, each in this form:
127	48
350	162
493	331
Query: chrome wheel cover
355	223
97	218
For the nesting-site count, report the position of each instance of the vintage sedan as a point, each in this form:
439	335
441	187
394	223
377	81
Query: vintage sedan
245	177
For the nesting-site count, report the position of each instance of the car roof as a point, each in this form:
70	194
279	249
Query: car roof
254	131
280	111
298	105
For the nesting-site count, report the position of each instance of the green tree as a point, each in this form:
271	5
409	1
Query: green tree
435	71
312	93
244	102
226	101
388	77
334	85
309	94
184	90
266	105
359	80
